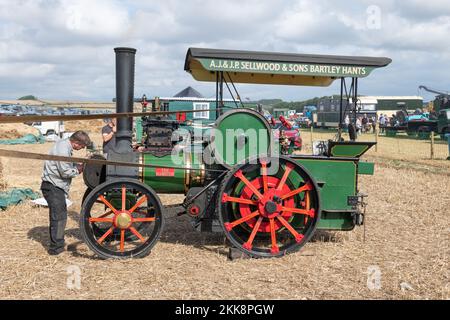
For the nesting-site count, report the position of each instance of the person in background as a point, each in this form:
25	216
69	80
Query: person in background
374	123
56	179
359	126
144	103
346	122
364	123
382	123
109	135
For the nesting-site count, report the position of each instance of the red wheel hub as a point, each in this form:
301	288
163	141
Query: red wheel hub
270	206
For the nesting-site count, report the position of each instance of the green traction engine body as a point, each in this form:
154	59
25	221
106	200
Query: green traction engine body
336	172
231	173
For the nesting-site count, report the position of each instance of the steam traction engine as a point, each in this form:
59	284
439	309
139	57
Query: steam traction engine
267	205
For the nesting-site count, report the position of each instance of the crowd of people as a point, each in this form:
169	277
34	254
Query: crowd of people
368	124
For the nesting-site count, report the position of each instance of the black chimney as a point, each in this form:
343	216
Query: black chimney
125	58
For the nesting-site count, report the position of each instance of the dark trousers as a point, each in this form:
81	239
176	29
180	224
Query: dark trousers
56	201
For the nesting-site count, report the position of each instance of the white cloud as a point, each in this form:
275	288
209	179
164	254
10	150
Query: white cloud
94	18
64	48
25	70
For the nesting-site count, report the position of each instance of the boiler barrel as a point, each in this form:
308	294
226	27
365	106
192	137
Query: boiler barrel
171	179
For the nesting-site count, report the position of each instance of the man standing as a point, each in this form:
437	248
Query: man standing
347	121
374	123
56	180
382	123
109	135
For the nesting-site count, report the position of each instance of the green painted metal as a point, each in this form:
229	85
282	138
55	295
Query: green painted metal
174	180
348	150
240	135
336	221
392	103
165	180
273	67
115	198
138	130
338	181
367	168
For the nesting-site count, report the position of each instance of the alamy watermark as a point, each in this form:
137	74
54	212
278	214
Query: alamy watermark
373	21
373	278
212	146
73	281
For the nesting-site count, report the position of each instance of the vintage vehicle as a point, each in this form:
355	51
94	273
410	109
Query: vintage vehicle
266	204
49	127
424	123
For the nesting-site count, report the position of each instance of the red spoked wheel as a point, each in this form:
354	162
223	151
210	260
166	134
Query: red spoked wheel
269	207
121	218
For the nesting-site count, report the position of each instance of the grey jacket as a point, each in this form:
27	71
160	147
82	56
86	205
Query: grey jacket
59	173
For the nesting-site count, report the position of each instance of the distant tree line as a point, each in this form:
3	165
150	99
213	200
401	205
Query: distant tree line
29	97
270	104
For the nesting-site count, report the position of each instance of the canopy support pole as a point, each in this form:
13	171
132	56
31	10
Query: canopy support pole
217	95
220	110
355	97
340	110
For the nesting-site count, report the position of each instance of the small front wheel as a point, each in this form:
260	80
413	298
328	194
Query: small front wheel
129	215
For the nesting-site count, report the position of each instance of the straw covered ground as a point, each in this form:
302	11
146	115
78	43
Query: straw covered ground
406	245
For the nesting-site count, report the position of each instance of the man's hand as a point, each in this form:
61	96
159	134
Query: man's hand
80	167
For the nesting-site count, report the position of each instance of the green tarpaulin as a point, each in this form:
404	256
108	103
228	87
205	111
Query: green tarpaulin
26	139
16	196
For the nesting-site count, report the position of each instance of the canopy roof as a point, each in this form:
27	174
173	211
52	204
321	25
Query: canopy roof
277	68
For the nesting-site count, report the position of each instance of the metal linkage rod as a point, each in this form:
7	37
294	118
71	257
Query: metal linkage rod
45	157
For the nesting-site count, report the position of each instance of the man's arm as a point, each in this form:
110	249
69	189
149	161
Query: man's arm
66	169
107	134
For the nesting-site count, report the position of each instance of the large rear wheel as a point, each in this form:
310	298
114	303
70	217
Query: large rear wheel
121	218
269	207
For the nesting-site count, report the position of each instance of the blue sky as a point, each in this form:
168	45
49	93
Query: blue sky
63	49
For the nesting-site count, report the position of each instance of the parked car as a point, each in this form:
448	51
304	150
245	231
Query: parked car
49	127
304	122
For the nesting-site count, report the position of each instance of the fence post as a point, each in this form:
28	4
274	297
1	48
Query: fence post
376	138
432	145
312	148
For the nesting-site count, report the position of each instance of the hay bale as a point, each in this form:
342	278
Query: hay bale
90	126
16	130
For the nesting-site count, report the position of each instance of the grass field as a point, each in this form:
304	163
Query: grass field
406	241
401	148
